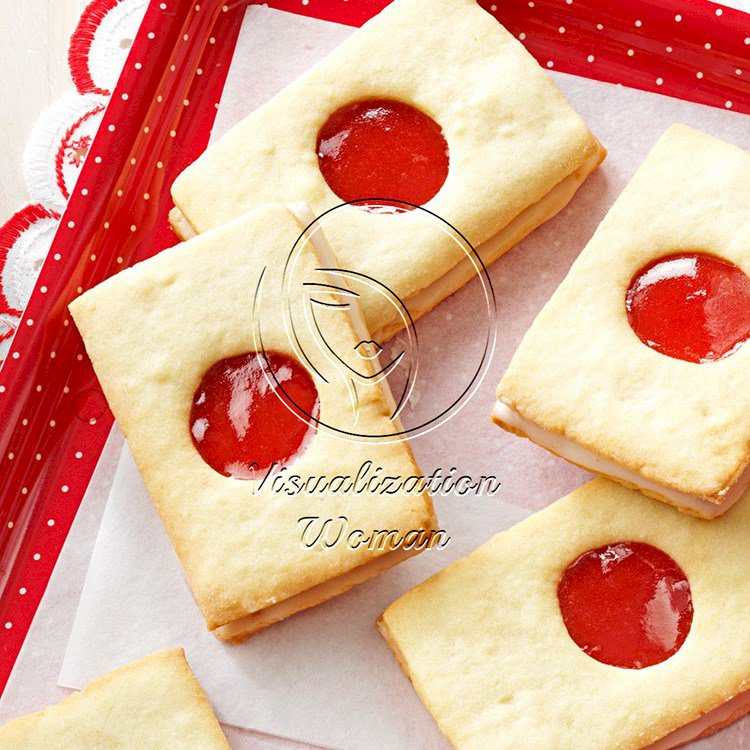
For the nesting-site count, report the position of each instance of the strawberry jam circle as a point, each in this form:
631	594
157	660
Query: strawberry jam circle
251	412
692	306
626	604
385	150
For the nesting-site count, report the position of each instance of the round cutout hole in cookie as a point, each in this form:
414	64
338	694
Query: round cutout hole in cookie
690	306
251	413
385	152
626	604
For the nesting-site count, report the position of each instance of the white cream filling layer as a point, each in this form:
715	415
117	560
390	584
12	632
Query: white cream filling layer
238	630
583	457
454	278
707	724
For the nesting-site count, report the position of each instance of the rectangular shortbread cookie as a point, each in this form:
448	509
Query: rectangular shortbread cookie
485	645
583	385
152	331
517	150
154	704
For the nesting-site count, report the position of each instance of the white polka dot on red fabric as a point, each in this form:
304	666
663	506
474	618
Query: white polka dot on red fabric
22	591
98	159
590	58
707	45
29	322
24	490
124	97
2	389
16	355
699	74
37	556
138	66
630	53
747	40
10	524
79	454
728	104
151	35
8	625
51	522
719	11
562	29
639	24
65	488
550	64
84	191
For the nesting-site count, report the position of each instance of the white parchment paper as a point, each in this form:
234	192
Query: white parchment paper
325	676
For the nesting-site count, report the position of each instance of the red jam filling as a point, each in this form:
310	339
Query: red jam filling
692	306
626	604
250	411
383	149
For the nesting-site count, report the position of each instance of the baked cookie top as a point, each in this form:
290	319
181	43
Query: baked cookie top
153	704
583	373
487	649
512	137
155	330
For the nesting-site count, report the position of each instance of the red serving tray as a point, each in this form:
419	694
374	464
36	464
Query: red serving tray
53	417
